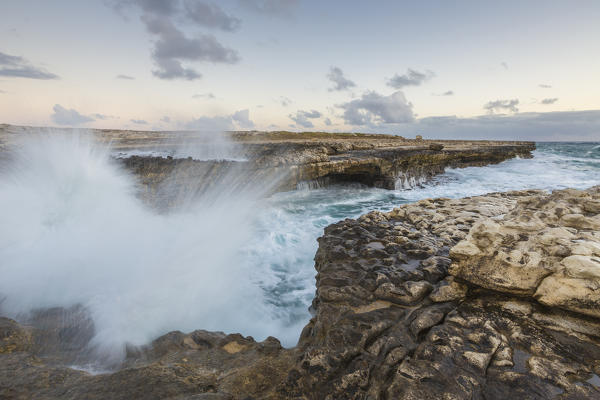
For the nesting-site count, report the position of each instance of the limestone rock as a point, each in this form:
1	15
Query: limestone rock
546	247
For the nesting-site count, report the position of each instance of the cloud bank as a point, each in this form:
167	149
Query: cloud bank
536	126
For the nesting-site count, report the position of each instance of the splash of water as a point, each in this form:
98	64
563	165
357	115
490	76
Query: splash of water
73	232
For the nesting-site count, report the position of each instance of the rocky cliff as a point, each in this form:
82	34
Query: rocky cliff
287	165
279	160
489	297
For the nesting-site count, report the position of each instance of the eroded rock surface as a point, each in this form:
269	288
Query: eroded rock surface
392	323
383	163
547	247
407	307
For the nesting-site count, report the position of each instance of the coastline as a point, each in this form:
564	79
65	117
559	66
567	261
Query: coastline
398	313
458	298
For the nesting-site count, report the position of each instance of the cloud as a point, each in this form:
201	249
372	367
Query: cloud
544	86
63	116
139	121
165	119
411	78
302	118
447	93
549	100
242	117
284	101
221	123
19	67
501	105
103	116
550	126
172	48
212	124
336	75
152	6
125	77
172	44
208	96
373	108
276	8
172	69
210	15
504	65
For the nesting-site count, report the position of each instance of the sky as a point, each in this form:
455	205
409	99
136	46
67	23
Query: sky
460	70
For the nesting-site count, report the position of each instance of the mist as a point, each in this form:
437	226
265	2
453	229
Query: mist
73	232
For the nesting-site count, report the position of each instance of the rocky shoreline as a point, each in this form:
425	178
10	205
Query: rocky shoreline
488	297
320	166
285	160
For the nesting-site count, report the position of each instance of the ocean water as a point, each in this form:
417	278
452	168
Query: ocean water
285	244
73	232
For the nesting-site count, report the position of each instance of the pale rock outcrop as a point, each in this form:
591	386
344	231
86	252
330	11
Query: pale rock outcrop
547	247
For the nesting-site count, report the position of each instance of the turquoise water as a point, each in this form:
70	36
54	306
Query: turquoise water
281	254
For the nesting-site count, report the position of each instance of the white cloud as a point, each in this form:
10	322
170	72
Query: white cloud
340	82
239	119
411	78
373	108
302	118
18	67
502	105
63	116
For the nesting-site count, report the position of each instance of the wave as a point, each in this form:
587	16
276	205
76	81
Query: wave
73	232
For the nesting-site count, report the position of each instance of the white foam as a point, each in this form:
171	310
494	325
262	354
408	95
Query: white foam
73	232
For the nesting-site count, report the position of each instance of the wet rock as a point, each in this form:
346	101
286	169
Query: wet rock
462	340
448	290
436	146
13	337
377	161
410	292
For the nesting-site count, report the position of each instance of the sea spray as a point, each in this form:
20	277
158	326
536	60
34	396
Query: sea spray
262	285
73	232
